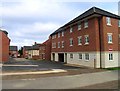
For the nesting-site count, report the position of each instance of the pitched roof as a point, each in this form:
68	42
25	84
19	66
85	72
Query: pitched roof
13	48
27	47
4	31
93	10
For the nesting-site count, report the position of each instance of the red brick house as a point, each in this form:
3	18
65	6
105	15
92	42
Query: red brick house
90	39
25	51
4	46
13	51
45	50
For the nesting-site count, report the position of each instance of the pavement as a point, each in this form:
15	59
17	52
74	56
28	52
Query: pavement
61	82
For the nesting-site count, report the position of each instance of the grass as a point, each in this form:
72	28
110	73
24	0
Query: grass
115	68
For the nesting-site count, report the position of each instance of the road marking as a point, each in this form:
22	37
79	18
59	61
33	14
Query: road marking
20	65
32	73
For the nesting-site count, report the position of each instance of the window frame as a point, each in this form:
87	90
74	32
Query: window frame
71	41
62	33
110	56
86	24
71	56
118	23
109	38
108	21
71	29
80	56
87	57
80	40
87	39
58	35
63	44
79	26
58	44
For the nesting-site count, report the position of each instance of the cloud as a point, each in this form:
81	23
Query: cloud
28	21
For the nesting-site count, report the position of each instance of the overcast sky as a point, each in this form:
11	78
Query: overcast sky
29	21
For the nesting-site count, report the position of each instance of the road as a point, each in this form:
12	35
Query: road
61	82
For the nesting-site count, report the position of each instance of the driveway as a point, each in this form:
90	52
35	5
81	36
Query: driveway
17	66
34	65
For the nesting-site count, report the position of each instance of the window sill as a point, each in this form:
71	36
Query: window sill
109	25
86	27
110	43
79	29
86	44
79	44
71	45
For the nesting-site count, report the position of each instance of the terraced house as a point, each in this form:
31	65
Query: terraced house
4	46
90	39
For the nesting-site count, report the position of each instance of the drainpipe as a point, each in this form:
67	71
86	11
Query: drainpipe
99	18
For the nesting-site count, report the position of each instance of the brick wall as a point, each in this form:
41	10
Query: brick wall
5	47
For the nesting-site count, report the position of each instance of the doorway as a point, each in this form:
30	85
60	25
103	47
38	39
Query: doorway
61	57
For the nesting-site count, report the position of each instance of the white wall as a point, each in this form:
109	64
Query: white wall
106	63
94	59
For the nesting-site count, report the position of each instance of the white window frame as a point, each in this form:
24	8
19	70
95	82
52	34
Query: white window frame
58	44
55	36
62	44
108	21
71	41
79	26
80	40
53	45
86	24
119	38
71	56
80	56
62	33
86	39
58	35
110	38
71	29
87	56
110	56
118	23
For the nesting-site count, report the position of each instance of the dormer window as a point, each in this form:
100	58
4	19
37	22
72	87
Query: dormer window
108	20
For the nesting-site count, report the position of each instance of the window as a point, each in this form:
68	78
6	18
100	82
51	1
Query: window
86	56
80	40
110	56
109	37
79	26
71	41
54	36
108	20
85	24
118	23
58	44
86	39
71	30
53	45
58	35
62	33
80	55
71	56
119	38
62	44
